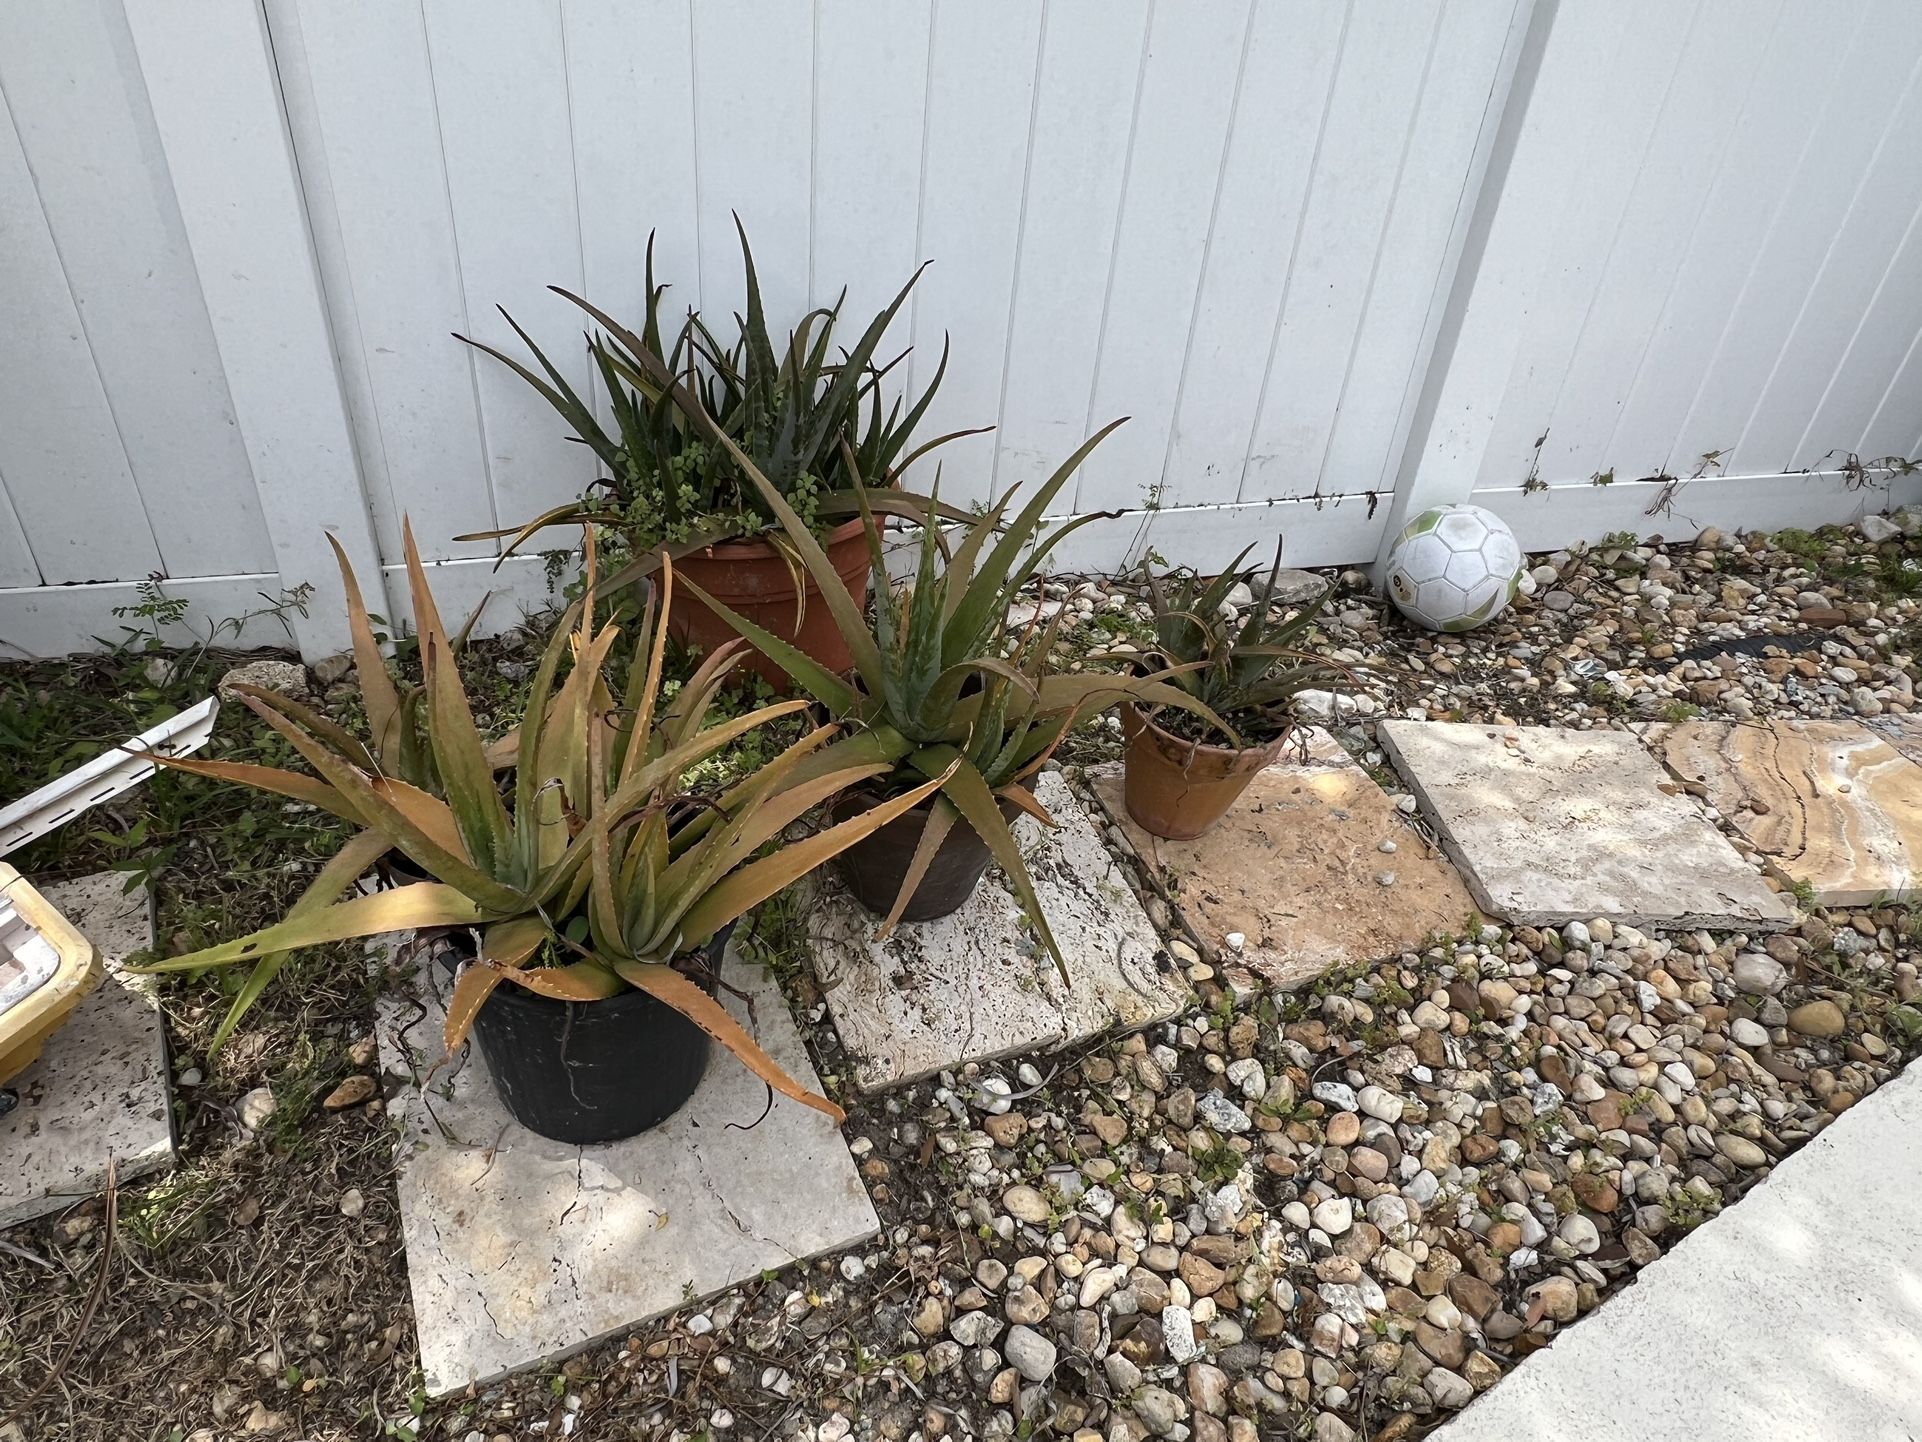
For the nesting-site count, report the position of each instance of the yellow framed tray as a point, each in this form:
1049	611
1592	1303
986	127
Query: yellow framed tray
46	966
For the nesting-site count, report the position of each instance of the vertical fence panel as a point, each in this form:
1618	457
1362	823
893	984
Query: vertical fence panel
79	101
1280	117
754	127
1187	99
217	109
397	287
1091	66
1370	123
58	441
500	80
871	100
630	84
982	69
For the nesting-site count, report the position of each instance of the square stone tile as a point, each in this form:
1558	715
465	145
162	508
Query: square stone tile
1296	869
977	985
522	1250
99	1088
1551	825
1832	803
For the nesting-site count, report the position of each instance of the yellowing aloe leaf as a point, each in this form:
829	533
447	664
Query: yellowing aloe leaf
577	981
471	989
340	872
290	784
941	819
405	908
377	692
668	985
757	881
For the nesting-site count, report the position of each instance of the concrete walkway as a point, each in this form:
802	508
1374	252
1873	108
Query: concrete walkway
1795	1314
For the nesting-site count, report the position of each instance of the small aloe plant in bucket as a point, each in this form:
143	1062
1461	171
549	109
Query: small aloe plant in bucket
1241	672
594	892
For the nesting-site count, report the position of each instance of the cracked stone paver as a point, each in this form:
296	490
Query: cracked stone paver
1550	825
557	1246
976	985
99	1088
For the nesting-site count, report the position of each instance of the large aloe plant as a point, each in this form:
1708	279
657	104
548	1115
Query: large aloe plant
806	418
589	830
1242	670
941	689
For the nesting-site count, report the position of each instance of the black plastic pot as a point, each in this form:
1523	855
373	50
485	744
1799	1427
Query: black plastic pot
875	866
596	1071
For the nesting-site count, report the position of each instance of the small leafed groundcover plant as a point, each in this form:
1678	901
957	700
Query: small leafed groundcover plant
1243	672
941	690
809	419
591	871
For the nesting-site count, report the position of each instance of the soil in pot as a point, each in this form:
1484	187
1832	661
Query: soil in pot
875	866
1176	788
598	1071
750	577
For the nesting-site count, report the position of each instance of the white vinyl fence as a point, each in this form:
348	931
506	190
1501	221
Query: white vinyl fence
1601	265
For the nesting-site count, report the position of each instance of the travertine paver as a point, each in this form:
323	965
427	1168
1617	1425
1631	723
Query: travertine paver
99	1088
1551	825
976	985
1831	803
521	1250
1296	870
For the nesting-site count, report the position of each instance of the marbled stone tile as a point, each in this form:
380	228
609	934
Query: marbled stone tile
1296	870
1831	803
1551	825
100	1086
522	1250
976	985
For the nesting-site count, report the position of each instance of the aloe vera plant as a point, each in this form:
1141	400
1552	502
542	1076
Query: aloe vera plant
595	827
1242	671
806	418
941	689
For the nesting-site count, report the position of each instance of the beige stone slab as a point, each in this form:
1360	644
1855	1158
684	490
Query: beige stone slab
99	1088
1831	803
522	1250
976	985
1550	825
1296	869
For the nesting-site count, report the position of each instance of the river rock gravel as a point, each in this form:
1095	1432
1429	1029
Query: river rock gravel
1338	1213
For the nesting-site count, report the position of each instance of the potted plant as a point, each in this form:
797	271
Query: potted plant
941	690
595	881
670	491
1177	784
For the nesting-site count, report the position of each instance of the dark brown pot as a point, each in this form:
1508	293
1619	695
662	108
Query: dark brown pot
875	866
1178	789
750	577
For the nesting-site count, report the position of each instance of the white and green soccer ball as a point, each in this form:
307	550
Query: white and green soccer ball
1454	567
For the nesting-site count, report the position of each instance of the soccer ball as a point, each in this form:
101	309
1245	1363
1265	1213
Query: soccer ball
1453	567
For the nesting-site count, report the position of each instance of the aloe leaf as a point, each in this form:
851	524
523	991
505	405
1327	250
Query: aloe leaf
406	908
377	692
342	870
970	793
754	883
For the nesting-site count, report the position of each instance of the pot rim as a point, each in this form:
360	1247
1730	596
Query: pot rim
757	547
713	954
1204	748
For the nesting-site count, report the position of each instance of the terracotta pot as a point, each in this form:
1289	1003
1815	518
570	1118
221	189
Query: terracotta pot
750	577
1178	789
875	866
